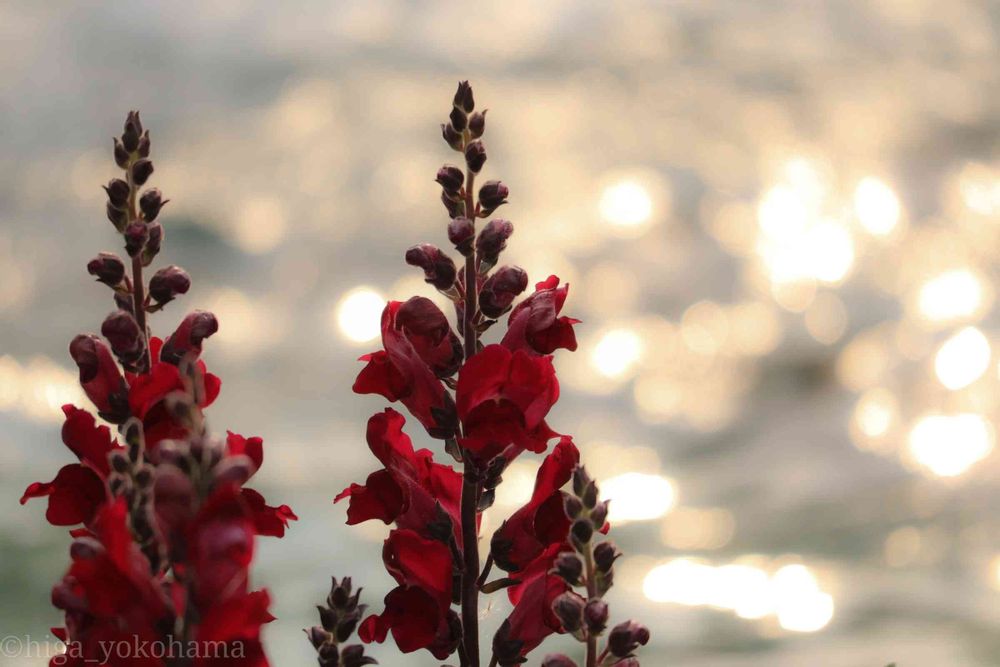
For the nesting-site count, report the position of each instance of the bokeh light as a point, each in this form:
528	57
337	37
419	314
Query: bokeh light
358	315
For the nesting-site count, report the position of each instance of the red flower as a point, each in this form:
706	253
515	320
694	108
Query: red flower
410	487
533	619
418	611
403	370
79	489
229	633
535	326
542	522
220	547
100	377
503	398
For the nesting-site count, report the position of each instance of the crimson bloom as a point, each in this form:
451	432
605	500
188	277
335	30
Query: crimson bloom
419	349
503	398
535	325
533	619
542	522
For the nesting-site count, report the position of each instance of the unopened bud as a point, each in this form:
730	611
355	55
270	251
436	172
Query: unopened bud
142	169
340	593
475	156
477	124
458	119
557	660
463	97
118	192
569	566
454	205
108	268
85	548
605	555
500	290
573	506
121	155
354	656
580	480
627	637
167	283
568	608
462	233
599	515
589	495
143	149
450	178
150	203
492	195
117	216
596	615
122	332
153	243
318	636
451	136
189	335
439	268
136	235
118	460
133	131
582	531
492	241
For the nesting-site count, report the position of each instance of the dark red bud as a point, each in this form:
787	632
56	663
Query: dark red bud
450	178
573	506
124	335
493	240
150	203
462	233
451	136
627	637
354	656
458	119
121	155
118	192
439	268
569	566
188	336
582	531
108	268
133	131
500	290
599	515
454	205
580	480
557	660
142	169
463	97
477	124
167	283
143	149
596	615
317	636
605	555
568	608
136	235
475	156
153	243
117	216
492	195
100	377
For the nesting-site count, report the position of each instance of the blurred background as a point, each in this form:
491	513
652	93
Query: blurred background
780	221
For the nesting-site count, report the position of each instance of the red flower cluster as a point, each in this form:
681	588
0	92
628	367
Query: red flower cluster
164	527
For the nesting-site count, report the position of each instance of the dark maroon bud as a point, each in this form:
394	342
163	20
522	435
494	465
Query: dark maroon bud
85	548
189	335
582	531
627	637
121	155
568	566
108	268
455	206
500	290
117	216
317	636
493	240
596	615
599	515
573	506
348	623
167	283
328	655
458	119
462	232
477	124
450	178
340	593
133	131
136	235
123	300
568	608
428	330
145	476
143	149
492	195
557	660
153	243
439	268
354	656
463	97
100	377
142	169
475	156
451	136
589	495
118	460
124	335
605	555
580	480
118	192
150	203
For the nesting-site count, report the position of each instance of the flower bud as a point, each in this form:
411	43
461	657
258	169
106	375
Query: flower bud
118	461
557	660
317	636
605	555
595	614
122	331
189	335
340	593
582	531
569	566
167	283
100	377
463	97
451	136
492	195
589	495
118	192
142	169
450	178
573	506
85	548
454	205
133	131
458	119
354	656
477	124
500	290
475	156
568	608
121	155
108	268
439	268
492	241
143	149
136	235
150	203
153	243
599	515
462	233
627	637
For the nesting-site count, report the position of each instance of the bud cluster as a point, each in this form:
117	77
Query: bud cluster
338	620
590	566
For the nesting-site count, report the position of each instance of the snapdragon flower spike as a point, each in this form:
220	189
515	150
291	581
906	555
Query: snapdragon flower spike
489	402
164	524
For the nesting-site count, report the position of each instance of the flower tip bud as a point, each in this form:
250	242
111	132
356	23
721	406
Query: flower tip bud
168	283
475	156
121	155
458	119
108	268
462	233
450	178
463	97
627	637
136	235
